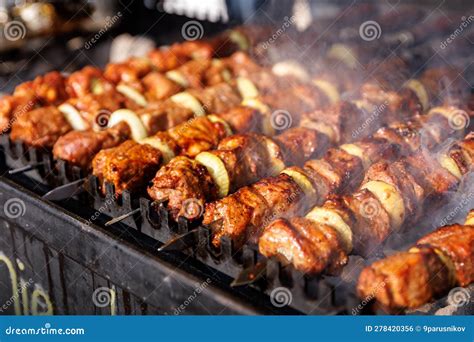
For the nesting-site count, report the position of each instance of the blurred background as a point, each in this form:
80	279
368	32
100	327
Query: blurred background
38	36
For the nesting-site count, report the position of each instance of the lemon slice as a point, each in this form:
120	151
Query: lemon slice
333	219
73	117
186	100
160	145
132	94
246	88
216	119
470	219
390	199
178	78
217	170
139	131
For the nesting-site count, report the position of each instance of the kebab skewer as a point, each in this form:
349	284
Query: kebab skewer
391	195
436	263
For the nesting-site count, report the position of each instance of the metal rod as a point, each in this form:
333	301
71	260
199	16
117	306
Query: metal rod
122	217
25	168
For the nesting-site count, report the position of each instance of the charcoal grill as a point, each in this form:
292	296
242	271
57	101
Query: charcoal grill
79	223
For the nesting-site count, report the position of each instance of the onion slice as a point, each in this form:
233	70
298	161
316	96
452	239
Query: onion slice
132	94
177	77
291	68
304	183
217	170
239	39
186	100
390	199
136	125
160	145
328	89
215	119
73	117
419	89
343	53
333	219
246	88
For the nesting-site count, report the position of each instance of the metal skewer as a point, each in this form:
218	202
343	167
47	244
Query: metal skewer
65	191
122	217
180	242
25	168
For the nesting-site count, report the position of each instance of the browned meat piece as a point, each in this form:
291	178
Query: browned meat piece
442	83
300	144
185	184
163	115
48	89
127	166
433	178
86	81
80	147
40	127
398	175
405	279
242	119
463	153
218	98
371	223
309	246
197	135
130	71
159	87
178	54
194	72
457	243
245	213
348	167
251	151
12	107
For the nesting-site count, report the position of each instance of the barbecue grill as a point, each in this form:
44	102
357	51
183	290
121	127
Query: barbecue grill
64	256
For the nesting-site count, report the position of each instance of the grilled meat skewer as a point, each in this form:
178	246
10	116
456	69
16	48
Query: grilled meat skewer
391	195
437	262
